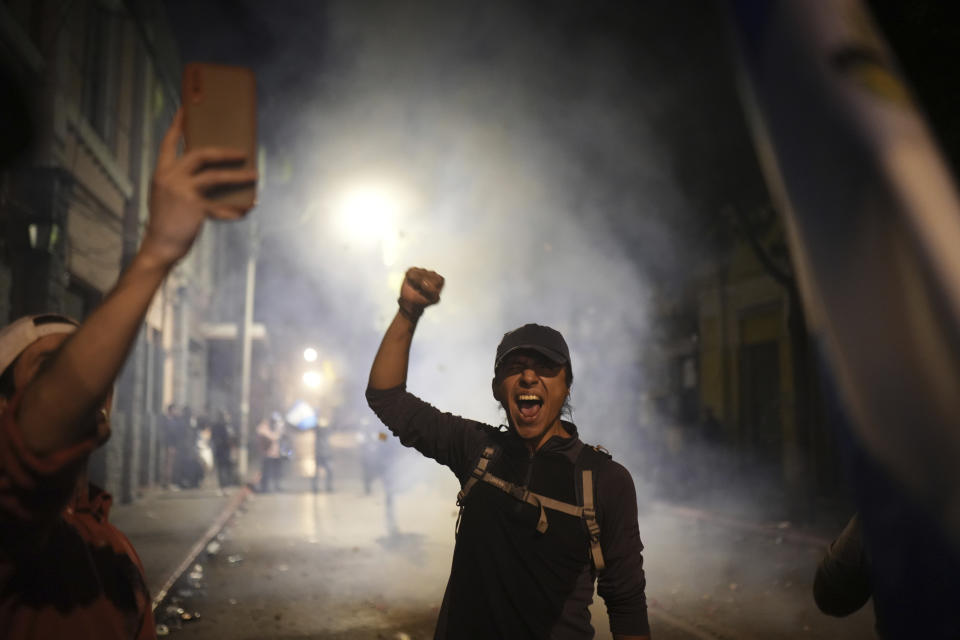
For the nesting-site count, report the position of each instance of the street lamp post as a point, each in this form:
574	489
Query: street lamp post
361	210
246	347
245	329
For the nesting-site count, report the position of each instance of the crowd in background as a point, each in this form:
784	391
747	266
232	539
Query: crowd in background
196	445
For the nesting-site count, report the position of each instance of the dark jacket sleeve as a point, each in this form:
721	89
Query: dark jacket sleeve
622	584
842	582
450	440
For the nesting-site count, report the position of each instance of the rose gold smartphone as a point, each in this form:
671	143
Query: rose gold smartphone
220	110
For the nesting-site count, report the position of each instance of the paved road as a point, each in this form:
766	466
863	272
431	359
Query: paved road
299	565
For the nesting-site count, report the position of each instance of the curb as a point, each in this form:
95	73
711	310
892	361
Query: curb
218	524
698	630
769	529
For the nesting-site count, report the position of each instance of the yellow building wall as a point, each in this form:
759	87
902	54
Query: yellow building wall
742	306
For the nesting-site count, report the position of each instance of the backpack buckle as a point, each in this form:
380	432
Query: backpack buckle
518	492
590	517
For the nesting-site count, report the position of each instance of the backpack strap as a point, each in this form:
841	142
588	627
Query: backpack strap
539	501
590	459
590	519
479	471
587	512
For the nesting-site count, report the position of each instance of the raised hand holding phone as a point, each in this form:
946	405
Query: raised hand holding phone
179	203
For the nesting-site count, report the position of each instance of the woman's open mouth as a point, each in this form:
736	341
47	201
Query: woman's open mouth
529	406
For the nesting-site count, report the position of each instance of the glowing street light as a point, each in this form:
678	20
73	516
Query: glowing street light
367	212
310	354
312	379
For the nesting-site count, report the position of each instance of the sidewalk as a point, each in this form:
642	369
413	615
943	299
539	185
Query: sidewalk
747	500
782	530
168	528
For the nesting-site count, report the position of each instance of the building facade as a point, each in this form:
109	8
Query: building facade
96	83
732	370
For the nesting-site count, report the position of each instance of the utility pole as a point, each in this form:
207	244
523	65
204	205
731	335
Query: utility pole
245	330
246	344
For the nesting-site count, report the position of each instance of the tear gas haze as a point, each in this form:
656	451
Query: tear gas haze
532	156
501	149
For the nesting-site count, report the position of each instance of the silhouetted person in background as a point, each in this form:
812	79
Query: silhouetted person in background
172	437
379	459
222	440
322	455
190	469
269	433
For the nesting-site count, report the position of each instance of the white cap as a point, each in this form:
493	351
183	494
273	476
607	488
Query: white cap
22	333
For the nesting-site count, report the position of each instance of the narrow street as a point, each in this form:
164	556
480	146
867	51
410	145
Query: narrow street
302	565
224	220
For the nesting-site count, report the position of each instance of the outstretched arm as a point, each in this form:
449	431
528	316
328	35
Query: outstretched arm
421	288
57	404
448	439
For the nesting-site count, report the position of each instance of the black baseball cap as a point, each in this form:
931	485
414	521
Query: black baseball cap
545	340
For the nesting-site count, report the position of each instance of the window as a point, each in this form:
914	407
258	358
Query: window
101	71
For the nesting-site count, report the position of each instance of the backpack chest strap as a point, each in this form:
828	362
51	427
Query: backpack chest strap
587	512
541	502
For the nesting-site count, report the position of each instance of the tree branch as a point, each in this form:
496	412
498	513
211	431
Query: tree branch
782	278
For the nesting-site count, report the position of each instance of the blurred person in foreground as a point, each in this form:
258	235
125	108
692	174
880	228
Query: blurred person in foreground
65	571
528	549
